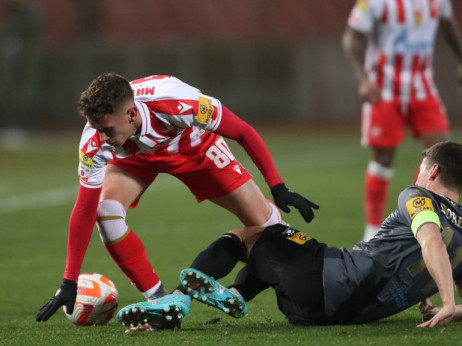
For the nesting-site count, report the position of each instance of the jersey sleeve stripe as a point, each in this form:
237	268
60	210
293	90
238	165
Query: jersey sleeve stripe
422	218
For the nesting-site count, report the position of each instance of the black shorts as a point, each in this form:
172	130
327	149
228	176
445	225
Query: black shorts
291	262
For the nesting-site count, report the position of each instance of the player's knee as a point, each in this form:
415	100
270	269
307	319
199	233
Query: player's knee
111	220
275	216
238	246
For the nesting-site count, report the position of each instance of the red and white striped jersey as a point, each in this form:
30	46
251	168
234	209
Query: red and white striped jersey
401	41
175	117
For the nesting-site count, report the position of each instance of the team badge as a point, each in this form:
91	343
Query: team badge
417	7
362	5
417	204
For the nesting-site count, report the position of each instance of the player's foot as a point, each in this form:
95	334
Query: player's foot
161	313
206	290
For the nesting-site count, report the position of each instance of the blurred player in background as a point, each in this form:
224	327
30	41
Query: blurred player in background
153	125
415	254
390	44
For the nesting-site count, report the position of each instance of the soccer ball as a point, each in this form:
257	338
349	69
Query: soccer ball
97	300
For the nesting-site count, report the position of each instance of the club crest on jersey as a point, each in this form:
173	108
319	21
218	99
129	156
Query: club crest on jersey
418	9
362	5
296	236
417	204
205	110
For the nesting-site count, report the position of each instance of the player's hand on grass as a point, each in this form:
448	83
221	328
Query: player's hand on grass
435	315
428	310
66	295
283	197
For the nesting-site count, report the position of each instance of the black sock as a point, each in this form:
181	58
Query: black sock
247	285
220	257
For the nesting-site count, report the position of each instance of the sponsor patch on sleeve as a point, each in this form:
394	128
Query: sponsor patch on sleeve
85	165
417	204
205	110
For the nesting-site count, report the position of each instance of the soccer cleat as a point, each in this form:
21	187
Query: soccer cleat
162	313
206	290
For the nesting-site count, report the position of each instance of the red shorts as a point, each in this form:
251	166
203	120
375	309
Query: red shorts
383	124
209	171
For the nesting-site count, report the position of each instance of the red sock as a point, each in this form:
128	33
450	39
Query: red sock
375	199
130	256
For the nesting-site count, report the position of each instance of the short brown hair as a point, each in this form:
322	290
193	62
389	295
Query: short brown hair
448	156
105	95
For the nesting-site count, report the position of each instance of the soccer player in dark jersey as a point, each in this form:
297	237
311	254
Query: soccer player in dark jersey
415	255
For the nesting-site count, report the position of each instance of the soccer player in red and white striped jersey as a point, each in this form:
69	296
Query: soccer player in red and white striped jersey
390	44
152	125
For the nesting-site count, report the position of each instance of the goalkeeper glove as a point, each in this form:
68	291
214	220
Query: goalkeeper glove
66	295
283	197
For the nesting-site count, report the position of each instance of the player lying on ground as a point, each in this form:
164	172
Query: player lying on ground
414	256
158	124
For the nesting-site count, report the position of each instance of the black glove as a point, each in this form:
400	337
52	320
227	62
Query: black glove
66	295
283	197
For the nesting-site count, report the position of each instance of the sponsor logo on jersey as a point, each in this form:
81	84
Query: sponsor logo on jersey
85	164
296	236
205	110
403	44
300	238
417	204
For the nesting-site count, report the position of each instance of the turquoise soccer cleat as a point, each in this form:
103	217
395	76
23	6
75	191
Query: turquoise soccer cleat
162	313
206	290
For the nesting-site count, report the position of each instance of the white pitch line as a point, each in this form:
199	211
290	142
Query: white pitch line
37	200
62	196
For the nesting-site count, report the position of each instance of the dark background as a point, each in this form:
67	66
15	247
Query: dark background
272	61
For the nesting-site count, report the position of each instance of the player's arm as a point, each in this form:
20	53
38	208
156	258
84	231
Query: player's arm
82	221
231	126
436	259
450	30
354	44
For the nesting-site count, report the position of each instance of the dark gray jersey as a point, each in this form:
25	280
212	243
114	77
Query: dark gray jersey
387	274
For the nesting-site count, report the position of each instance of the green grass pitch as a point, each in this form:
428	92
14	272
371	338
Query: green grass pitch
38	184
